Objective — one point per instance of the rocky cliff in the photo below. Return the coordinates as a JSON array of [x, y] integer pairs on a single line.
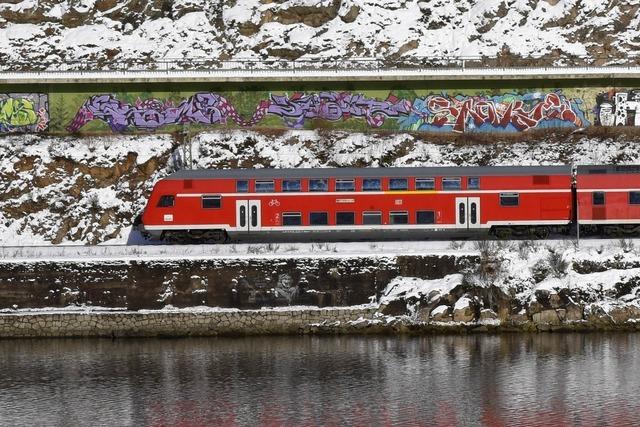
[[49, 33]]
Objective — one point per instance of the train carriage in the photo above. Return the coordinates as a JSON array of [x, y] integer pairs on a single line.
[[215, 205], [608, 199]]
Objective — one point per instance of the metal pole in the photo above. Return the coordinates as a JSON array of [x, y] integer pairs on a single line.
[[577, 220]]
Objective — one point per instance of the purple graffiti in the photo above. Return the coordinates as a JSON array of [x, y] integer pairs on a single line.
[[150, 114], [335, 106]]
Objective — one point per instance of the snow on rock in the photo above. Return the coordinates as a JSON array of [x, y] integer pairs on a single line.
[[301, 29], [76, 190], [412, 288], [463, 310], [598, 283]]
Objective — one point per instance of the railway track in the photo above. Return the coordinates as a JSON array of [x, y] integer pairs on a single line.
[[106, 253]]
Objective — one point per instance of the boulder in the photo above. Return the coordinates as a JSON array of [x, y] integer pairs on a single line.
[[534, 307], [625, 313], [574, 312], [488, 314], [423, 313], [555, 300], [463, 310], [549, 317], [394, 308], [441, 313]]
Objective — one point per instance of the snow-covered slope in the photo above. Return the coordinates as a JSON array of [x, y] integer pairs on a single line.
[[88, 191], [49, 32]]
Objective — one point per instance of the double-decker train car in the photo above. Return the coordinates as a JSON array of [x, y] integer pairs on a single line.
[[215, 205], [608, 199]]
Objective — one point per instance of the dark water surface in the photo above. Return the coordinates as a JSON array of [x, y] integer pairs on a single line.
[[544, 379]]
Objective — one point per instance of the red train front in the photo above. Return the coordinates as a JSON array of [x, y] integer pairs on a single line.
[[214, 205]]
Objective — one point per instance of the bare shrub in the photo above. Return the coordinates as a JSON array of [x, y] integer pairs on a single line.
[[457, 245], [526, 247], [558, 266], [626, 245], [323, 247], [254, 249], [490, 263]]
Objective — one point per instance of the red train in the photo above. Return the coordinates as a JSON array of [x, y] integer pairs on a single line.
[[215, 205]]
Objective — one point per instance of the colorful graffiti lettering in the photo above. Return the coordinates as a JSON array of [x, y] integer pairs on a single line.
[[508, 112], [335, 106], [203, 108], [461, 113], [618, 108], [23, 112], [211, 108]]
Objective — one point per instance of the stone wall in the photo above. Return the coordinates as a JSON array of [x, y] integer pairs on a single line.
[[173, 323], [245, 283]]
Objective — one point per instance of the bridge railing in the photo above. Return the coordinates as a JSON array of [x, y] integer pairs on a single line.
[[321, 64]]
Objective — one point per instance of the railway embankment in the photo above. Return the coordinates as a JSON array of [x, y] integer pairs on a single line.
[[408, 287], [88, 190]]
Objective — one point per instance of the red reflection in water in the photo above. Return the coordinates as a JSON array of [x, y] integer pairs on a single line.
[[190, 413]]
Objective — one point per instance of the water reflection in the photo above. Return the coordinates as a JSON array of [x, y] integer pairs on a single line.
[[545, 379]]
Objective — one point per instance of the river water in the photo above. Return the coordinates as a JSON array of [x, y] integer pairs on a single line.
[[543, 379]]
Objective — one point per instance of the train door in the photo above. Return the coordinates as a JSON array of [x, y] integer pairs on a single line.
[[468, 212], [248, 215]]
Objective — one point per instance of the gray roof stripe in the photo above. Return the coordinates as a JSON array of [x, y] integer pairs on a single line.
[[607, 169], [369, 172]]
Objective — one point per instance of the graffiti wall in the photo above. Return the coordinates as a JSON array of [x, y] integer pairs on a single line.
[[509, 112], [440, 112], [24, 112], [214, 109], [426, 110], [618, 108]]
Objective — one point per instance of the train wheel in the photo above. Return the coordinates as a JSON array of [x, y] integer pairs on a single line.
[[503, 233], [542, 232], [217, 236]]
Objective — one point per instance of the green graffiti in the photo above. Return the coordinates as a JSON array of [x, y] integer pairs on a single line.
[[17, 112], [23, 112]]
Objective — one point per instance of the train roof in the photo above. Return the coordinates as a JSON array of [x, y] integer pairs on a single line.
[[604, 170], [269, 173]]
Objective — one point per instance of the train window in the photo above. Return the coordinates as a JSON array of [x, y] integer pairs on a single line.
[[242, 186], [265, 187], [425, 184], [398, 184], [509, 199], [371, 184], [290, 185], [345, 218], [425, 217], [634, 197], [291, 218], [451, 184], [371, 218], [473, 183], [166, 201], [345, 185], [598, 198], [318, 218], [399, 218], [318, 185], [211, 202]]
